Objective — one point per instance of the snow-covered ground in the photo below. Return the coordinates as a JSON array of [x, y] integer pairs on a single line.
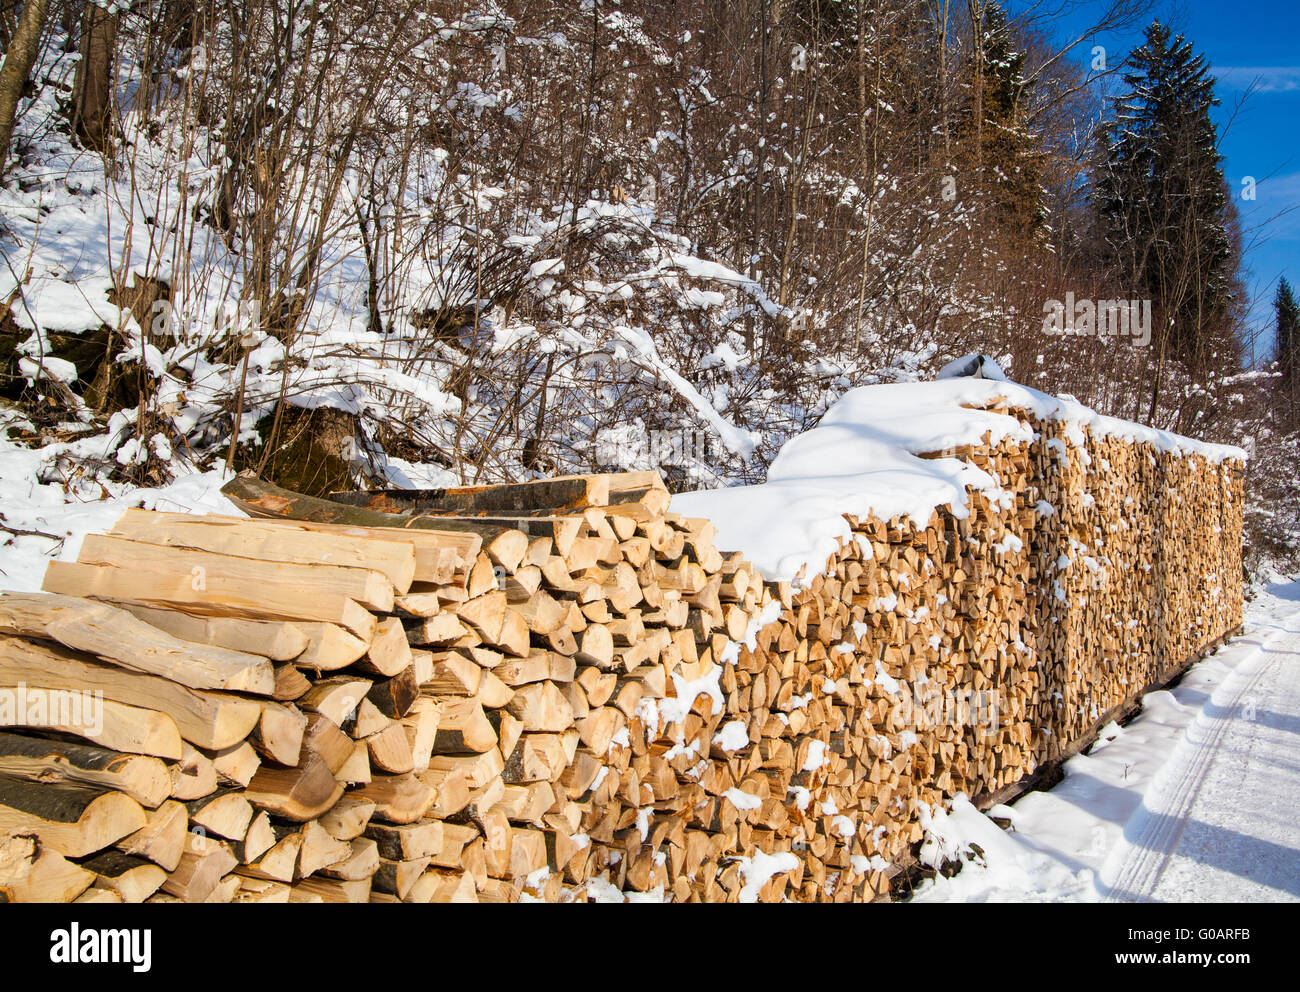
[[42, 521], [1194, 800]]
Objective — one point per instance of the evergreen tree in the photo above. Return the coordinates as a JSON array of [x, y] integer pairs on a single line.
[[996, 143], [1164, 204], [1287, 314]]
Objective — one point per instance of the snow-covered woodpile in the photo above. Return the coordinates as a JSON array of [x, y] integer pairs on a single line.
[[1139, 568], [562, 690]]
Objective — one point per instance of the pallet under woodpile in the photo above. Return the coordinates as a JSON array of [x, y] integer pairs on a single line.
[[560, 690]]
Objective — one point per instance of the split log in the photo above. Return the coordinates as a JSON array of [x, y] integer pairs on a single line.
[[275, 640], [299, 794], [144, 779], [112, 725], [261, 541], [70, 818], [205, 718], [118, 636], [33, 872], [202, 867], [133, 879], [162, 838]]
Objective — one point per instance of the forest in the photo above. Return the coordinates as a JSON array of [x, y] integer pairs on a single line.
[[369, 244]]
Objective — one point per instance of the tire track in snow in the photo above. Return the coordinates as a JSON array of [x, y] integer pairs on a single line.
[[1166, 809]]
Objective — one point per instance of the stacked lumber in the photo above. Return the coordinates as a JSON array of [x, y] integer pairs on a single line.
[[240, 686], [561, 690]]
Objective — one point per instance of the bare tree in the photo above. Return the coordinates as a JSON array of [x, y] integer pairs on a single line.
[[20, 56], [92, 89]]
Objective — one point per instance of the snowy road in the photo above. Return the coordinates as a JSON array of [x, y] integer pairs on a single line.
[[1198, 799], [1220, 821]]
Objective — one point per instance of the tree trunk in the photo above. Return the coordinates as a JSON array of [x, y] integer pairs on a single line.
[[92, 89], [19, 58]]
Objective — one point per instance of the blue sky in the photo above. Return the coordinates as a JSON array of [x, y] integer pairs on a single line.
[[1247, 43]]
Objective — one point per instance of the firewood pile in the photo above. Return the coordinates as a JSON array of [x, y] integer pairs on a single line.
[[561, 690], [1138, 568]]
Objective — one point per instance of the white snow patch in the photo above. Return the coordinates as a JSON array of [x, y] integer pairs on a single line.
[[759, 869], [816, 756], [742, 800], [862, 460], [732, 737]]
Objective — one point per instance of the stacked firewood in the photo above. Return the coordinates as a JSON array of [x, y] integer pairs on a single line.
[[291, 709], [561, 690], [1137, 567]]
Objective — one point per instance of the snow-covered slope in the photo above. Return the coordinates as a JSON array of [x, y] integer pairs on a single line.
[[43, 521]]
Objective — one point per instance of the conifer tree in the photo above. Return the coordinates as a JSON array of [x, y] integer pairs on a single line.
[[1287, 314], [996, 143], [1163, 202]]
